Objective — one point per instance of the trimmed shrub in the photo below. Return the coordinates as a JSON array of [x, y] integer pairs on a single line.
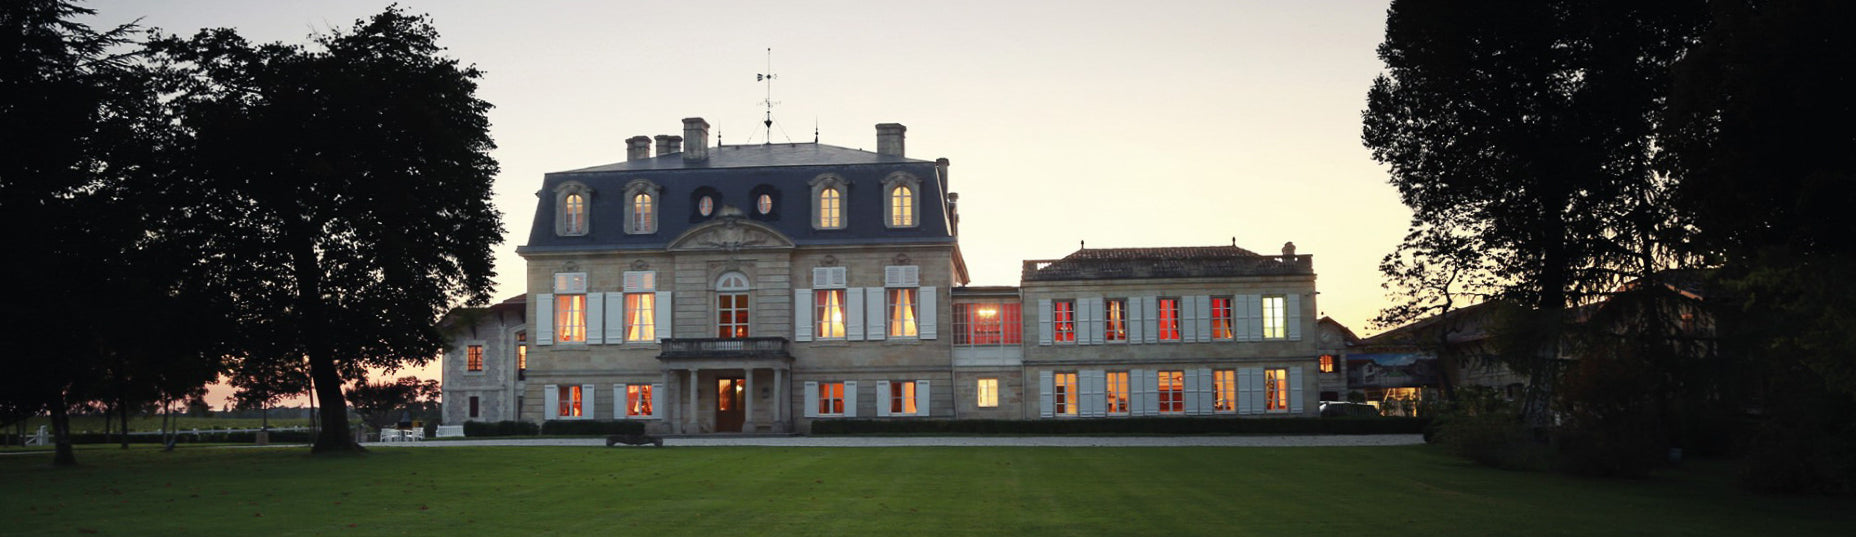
[[591, 427], [1125, 426], [501, 428]]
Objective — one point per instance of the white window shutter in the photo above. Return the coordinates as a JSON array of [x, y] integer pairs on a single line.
[[657, 400], [1089, 326], [544, 319], [1191, 391], [665, 311], [1257, 405], [802, 314], [1202, 319], [1135, 319], [620, 411], [911, 276], [876, 314], [838, 277], [1137, 398], [821, 277], [1240, 328], [595, 318], [1046, 401], [921, 398], [551, 399], [925, 314], [1244, 389], [882, 399], [587, 408], [1256, 317], [614, 324], [850, 398], [1085, 386], [854, 313], [811, 402], [1292, 313], [1149, 308], [1153, 393], [1295, 389], [1045, 332], [1208, 392]]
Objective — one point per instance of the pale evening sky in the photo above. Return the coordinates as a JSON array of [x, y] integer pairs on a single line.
[[1161, 123]]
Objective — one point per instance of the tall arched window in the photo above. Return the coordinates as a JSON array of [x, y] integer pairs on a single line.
[[575, 209], [830, 208], [901, 206], [572, 209], [731, 306], [641, 207]]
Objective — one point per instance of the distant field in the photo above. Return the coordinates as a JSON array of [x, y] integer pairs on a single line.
[[81, 424], [1353, 492]]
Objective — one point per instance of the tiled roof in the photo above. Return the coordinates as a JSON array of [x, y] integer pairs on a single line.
[[755, 156], [1165, 262]]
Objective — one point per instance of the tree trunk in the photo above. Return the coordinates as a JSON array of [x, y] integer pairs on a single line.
[[123, 403], [323, 376], [61, 432]]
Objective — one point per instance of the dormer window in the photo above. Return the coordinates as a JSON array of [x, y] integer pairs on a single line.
[[828, 195], [764, 204], [902, 202], [572, 209], [705, 206], [641, 207]]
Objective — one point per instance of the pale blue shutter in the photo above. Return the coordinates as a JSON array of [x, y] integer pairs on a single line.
[[595, 318], [850, 399], [1188, 319], [802, 315], [1208, 392], [882, 399], [1202, 318], [1256, 317], [544, 319], [928, 321], [876, 314], [854, 314], [1293, 315], [665, 315], [1093, 384], [614, 323], [1191, 391], [1245, 388], [587, 407], [921, 398], [1132, 317], [1044, 322], [811, 402], [657, 400], [1153, 393], [1295, 389], [551, 397], [1045, 400]]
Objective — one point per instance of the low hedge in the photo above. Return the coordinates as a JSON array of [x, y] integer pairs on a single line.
[[1126, 426], [501, 428], [591, 427], [188, 437]]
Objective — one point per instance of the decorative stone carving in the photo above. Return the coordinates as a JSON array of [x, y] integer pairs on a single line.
[[828, 261], [730, 233], [570, 266], [641, 265], [902, 259]]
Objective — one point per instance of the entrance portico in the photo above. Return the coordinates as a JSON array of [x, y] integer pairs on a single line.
[[729, 385]]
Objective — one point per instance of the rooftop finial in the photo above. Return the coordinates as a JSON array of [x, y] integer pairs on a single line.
[[768, 77], [1082, 245]]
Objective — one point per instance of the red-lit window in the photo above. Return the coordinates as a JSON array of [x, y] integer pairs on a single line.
[[638, 400], [1169, 319], [1171, 385], [570, 402], [1063, 319], [473, 358], [1327, 363], [831, 398], [1221, 318], [987, 324]]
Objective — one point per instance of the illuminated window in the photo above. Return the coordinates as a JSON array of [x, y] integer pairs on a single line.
[[731, 306], [985, 324], [473, 358], [638, 401], [522, 351], [473, 406], [1224, 390], [988, 391], [1327, 363], [705, 206], [1221, 318], [828, 313], [831, 398], [830, 209], [1171, 385], [1063, 394], [1063, 317], [1115, 319], [640, 316], [1117, 392], [1273, 317], [573, 213], [1169, 319], [570, 402], [570, 307], [902, 398], [1276, 390], [902, 311], [764, 204], [902, 207], [641, 207]]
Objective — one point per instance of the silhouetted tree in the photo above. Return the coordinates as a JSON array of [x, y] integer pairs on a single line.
[[345, 188], [1760, 140], [378, 404], [1527, 129]]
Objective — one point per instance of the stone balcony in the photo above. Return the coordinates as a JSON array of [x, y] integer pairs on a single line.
[[753, 348]]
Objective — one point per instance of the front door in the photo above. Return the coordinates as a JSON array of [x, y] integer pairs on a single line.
[[728, 412]]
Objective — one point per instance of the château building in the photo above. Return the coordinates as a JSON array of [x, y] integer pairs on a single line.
[[761, 288]]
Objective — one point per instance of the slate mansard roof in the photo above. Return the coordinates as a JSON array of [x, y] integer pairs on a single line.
[[734, 172], [1167, 262]]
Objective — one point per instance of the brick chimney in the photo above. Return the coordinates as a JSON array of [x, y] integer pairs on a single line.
[[637, 148], [696, 132], [667, 144], [889, 138]]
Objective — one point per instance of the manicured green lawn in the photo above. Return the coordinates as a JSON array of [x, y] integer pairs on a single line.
[[1358, 492], [85, 424]]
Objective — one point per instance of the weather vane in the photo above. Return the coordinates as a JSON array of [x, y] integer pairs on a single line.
[[767, 78]]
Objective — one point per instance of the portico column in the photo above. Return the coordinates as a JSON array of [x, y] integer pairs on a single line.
[[747, 404], [779, 399], [690, 426]]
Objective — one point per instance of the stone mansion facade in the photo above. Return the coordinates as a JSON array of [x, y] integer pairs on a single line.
[[761, 288]]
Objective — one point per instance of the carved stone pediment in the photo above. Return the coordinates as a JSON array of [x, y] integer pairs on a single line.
[[730, 234]]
